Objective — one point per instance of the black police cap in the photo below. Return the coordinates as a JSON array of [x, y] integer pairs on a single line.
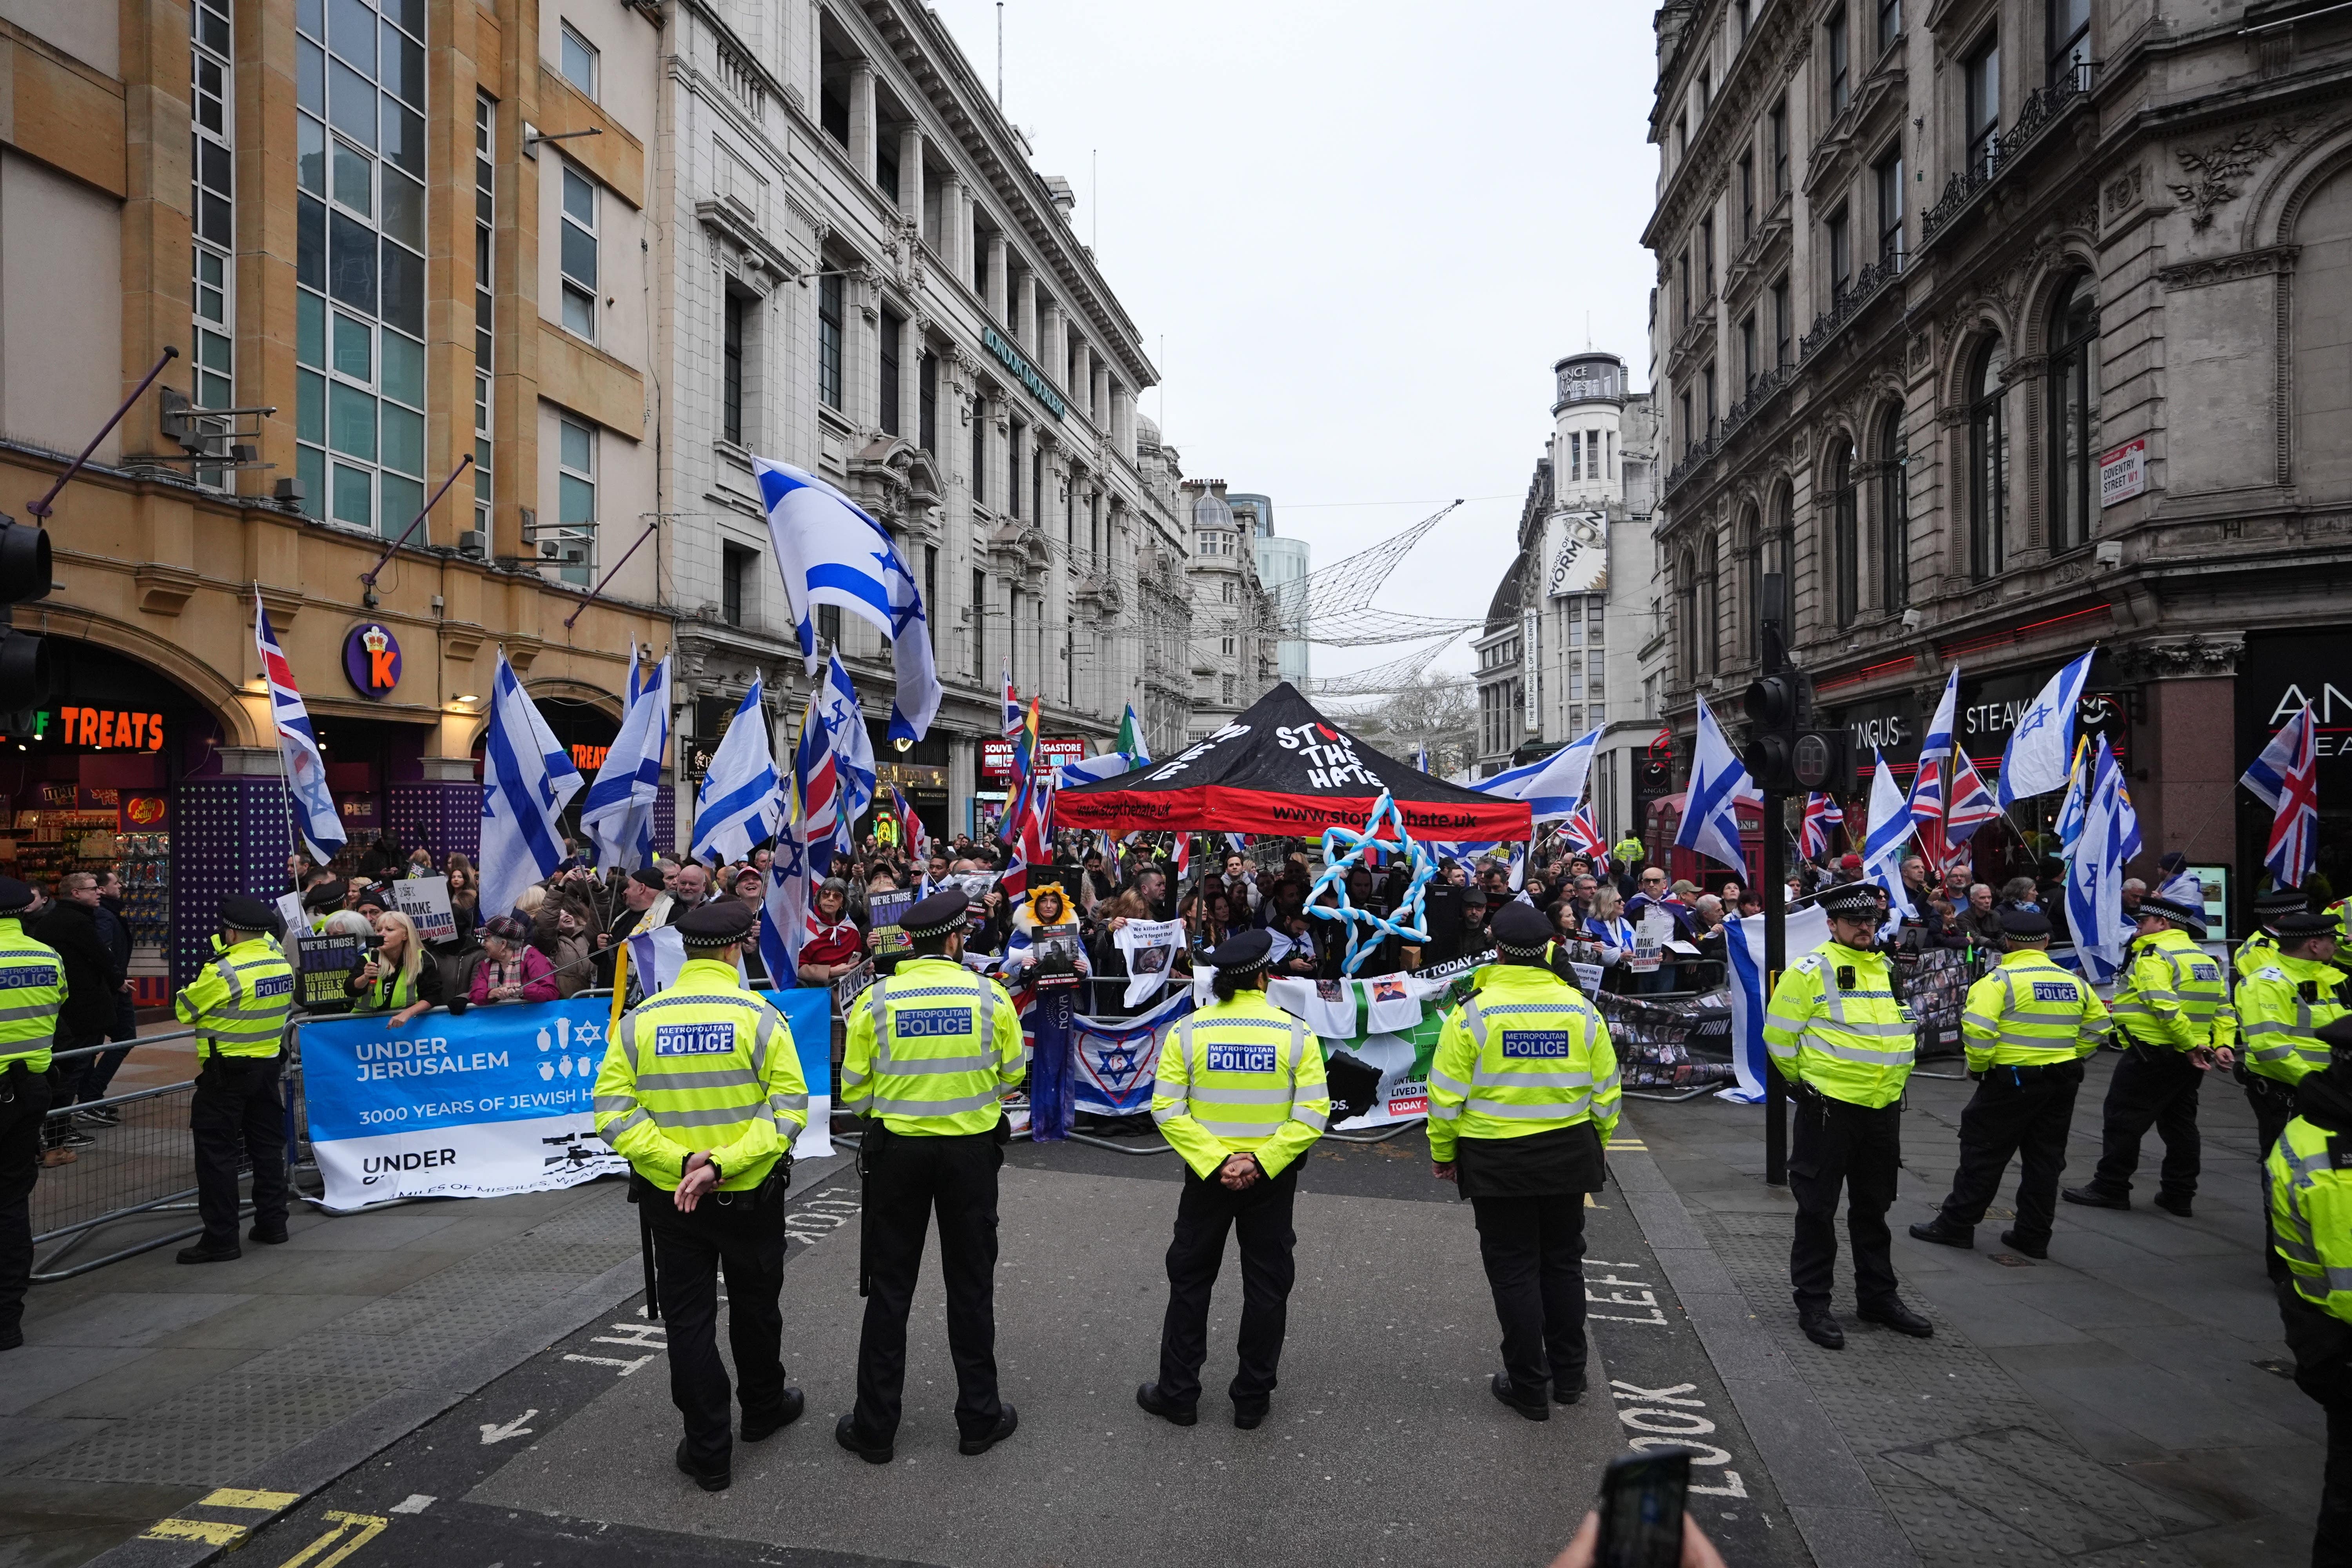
[[2300, 927], [1520, 928], [2178, 913], [2026, 925], [327, 895], [649, 876], [241, 913], [1243, 952], [1852, 900], [16, 897], [937, 915], [2281, 901], [722, 923]]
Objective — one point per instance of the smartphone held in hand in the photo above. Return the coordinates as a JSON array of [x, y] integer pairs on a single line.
[[1641, 1498]]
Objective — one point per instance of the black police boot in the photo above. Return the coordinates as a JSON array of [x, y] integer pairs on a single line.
[[1944, 1233], [1568, 1389], [708, 1481], [2173, 1206], [2092, 1197], [1248, 1416], [845, 1432], [2011, 1239], [1151, 1399], [1892, 1314], [1007, 1422], [1822, 1329], [274, 1236], [789, 1412], [11, 1336], [1501, 1386], [204, 1252]]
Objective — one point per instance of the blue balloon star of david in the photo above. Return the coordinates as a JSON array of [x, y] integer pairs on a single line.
[[1343, 851]]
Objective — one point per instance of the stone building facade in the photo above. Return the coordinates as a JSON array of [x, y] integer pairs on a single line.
[[1569, 633], [862, 276], [385, 235], [1234, 657], [1994, 330]]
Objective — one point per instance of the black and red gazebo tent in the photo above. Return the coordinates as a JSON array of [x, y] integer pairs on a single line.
[[1282, 767]]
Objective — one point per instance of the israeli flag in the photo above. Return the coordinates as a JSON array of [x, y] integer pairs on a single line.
[[618, 814], [2095, 872], [1718, 783], [1938, 745], [853, 752], [737, 807], [1091, 770], [2043, 744], [784, 911], [1808, 929], [528, 778], [1553, 791], [830, 551], [1882, 845]]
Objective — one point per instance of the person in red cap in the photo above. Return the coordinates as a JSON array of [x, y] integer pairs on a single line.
[[1849, 869]]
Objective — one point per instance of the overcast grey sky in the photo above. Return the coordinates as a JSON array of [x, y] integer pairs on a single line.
[[1365, 231]]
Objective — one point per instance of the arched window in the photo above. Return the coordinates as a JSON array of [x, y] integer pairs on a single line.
[[1686, 615], [1988, 462], [1768, 583], [1748, 545], [1709, 630], [1845, 537], [1893, 512], [2074, 415]]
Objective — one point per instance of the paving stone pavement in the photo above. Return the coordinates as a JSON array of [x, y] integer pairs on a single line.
[[2109, 1407], [146, 1383]]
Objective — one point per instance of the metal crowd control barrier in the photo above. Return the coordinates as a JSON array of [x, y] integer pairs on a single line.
[[144, 1164]]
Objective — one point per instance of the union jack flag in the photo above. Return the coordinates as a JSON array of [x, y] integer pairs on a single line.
[[1184, 856], [298, 746], [1583, 835], [1927, 808], [2286, 777], [910, 827], [1821, 814], [1030, 827], [819, 787], [1972, 804], [1010, 715]]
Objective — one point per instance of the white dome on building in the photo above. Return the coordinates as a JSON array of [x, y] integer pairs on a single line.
[[1211, 512]]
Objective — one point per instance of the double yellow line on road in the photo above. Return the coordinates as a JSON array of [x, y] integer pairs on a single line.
[[346, 1533]]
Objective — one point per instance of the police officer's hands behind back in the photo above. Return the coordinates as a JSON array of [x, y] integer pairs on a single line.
[[700, 1177], [1240, 1173]]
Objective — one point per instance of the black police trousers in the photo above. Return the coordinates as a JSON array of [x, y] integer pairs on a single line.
[[1260, 1215], [743, 1233], [235, 1113], [2154, 1086], [25, 1104], [2016, 1111], [2322, 1344], [2273, 1103], [1533, 1248], [908, 1178], [1836, 1145]]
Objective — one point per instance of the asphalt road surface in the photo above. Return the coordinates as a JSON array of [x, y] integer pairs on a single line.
[[1383, 1446]]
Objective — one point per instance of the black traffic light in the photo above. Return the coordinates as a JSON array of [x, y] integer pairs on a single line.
[[1784, 755], [24, 657]]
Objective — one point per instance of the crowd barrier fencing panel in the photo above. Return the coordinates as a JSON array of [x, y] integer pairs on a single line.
[[144, 1166]]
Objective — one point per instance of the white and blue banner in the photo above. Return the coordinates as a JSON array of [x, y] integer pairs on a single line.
[[1117, 1059], [494, 1102]]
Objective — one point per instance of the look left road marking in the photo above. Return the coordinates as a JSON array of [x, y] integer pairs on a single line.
[[351, 1530]]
